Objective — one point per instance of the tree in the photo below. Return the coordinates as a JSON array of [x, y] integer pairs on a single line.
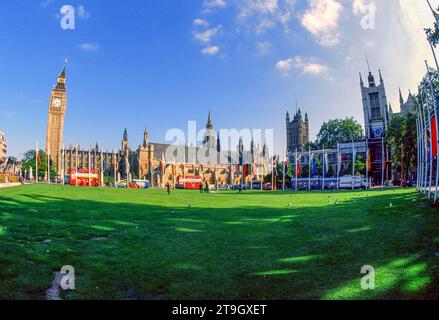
[[30, 162], [433, 33], [360, 165], [310, 146], [401, 136], [11, 161], [338, 131]]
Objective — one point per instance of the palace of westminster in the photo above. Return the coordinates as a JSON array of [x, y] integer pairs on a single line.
[[148, 159]]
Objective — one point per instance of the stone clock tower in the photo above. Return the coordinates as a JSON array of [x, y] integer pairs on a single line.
[[376, 119], [55, 123]]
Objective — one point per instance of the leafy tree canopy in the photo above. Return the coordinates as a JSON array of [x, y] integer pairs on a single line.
[[338, 131]]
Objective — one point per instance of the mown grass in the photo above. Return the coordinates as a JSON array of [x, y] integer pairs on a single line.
[[137, 244]]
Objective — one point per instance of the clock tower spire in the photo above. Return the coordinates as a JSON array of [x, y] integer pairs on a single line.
[[55, 122]]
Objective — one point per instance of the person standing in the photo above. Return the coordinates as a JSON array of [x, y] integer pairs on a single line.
[[168, 188], [207, 187]]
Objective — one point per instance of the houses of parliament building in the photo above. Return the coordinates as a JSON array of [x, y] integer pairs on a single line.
[[148, 159]]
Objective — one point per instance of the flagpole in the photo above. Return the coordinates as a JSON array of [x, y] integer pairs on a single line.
[[422, 139], [417, 149], [309, 168], [127, 170], [89, 167], [36, 163], [251, 174], [433, 96], [324, 165], [420, 148], [367, 161], [338, 165], [284, 175], [430, 153], [272, 173], [101, 184], [63, 165], [76, 166], [382, 163], [421, 143], [353, 164], [114, 167], [424, 144], [296, 169], [48, 166]]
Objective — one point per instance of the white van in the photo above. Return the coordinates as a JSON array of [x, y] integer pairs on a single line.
[[358, 182]]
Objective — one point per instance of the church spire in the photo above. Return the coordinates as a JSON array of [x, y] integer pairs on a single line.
[[209, 124], [368, 65], [61, 83], [370, 78], [63, 72], [125, 135], [390, 109], [401, 99], [145, 138]]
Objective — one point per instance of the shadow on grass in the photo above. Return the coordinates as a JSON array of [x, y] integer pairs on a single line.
[[141, 250]]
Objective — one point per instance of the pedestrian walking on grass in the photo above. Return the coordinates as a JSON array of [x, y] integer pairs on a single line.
[[168, 187], [201, 187]]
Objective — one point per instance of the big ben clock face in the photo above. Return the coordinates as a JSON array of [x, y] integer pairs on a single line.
[[57, 103]]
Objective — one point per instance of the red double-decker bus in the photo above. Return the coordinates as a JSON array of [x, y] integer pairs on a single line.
[[84, 178], [189, 182]]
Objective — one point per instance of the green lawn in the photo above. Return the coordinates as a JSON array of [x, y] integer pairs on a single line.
[[137, 244]]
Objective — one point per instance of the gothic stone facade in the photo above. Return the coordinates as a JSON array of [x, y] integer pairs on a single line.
[[152, 161], [297, 132], [406, 107], [376, 118], [147, 161]]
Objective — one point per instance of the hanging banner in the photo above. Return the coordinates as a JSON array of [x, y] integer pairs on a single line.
[[433, 136]]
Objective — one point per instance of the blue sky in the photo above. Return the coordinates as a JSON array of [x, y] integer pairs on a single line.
[[161, 63]]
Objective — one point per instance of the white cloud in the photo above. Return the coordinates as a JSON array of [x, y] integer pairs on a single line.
[[82, 13], [309, 66], [207, 35], [262, 15], [213, 50], [253, 16], [285, 66], [200, 22], [321, 20], [250, 7], [212, 4], [89, 47]]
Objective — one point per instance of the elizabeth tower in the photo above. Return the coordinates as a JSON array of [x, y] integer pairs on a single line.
[[55, 122]]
